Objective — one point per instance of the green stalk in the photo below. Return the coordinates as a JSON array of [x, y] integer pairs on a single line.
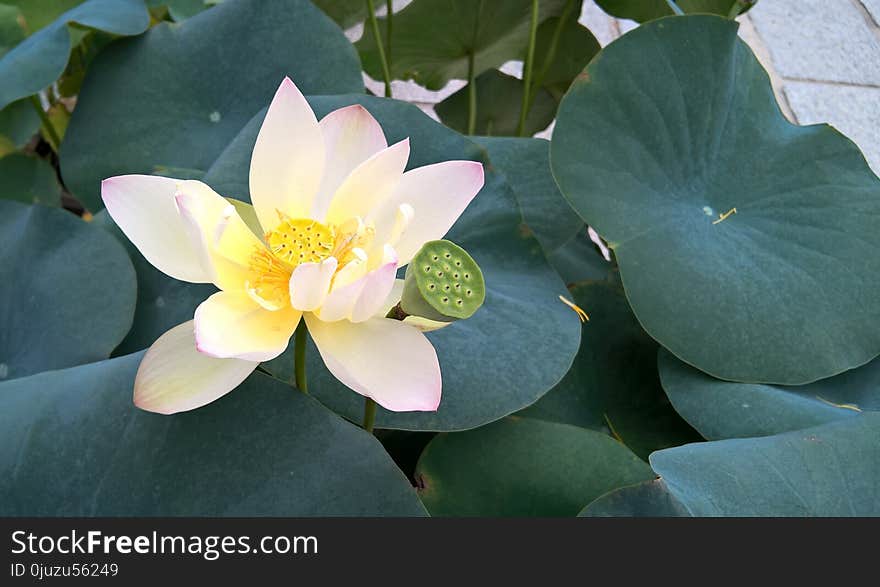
[[44, 119], [299, 357], [550, 57], [388, 8], [472, 96], [527, 70], [369, 414], [674, 8], [374, 24]]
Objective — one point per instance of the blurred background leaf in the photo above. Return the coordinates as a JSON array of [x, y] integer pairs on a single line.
[[41, 58], [499, 100]]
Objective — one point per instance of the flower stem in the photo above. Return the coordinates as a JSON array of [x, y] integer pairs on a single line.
[[527, 70], [299, 357], [552, 49], [472, 96], [44, 119], [389, 8], [674, 8], [369, 414], [374, 24]]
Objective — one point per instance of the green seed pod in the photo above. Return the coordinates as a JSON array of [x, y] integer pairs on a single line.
[[443, 283]]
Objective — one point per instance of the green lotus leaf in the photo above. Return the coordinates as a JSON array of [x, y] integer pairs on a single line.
[[345, 13], [11, 29], [578, 260], [18, 123], [526, 165], [747, 245], [431, 39], [722, 409], [644, 10], [28, 180], [73, 444], [38, 14], [555, 68], [69, 290], [40, 59], [522, 467], [828, 470], [648, 499], [613, 385], [166, 99], [499, 101], [491, 363], [180, 10]]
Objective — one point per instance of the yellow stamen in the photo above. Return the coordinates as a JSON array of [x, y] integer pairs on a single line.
[[296, 241], [723, 217], [852, 407], [301, 240], [577, 310]]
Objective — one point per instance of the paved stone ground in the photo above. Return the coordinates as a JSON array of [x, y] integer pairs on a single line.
[[823, 57]]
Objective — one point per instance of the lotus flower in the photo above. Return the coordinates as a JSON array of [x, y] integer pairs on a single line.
[[338, 216]]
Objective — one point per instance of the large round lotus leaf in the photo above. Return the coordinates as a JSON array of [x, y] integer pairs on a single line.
[[829, 470], [648, 499], [37, 61], [168, 99], [643, 10], [522, 467], [431, 39], [784, 290], [73, 444], [525, 164], [721, 409], [613, 384], [68, 291], [515, 348], [162, 302], [29, 180], [499, 101]]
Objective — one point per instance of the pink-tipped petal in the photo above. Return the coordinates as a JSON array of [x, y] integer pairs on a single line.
[[351, 136], [369, 184], [438, 195], [233, 325], [310, 284], [174, 377], [144, 209], [288, 158], [383, 359]]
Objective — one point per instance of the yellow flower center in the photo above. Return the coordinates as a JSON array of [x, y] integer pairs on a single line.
[[296, 241]]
